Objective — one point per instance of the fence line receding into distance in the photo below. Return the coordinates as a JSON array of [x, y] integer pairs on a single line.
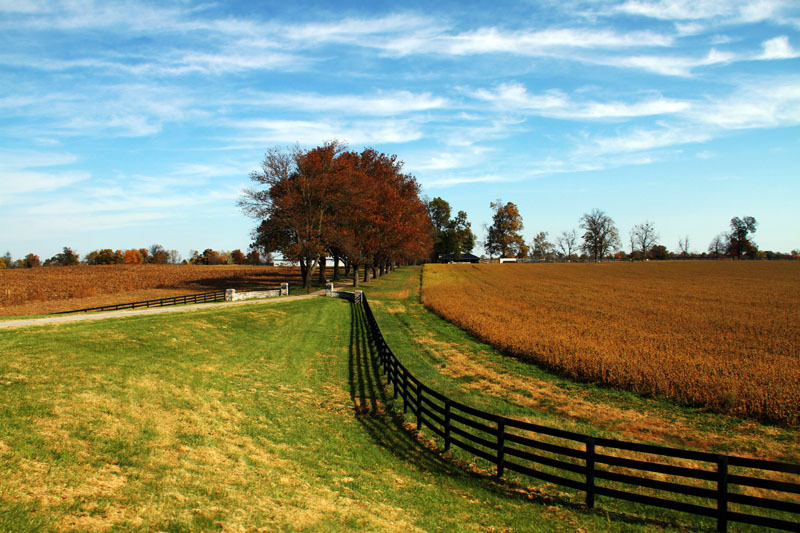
[[706, 484], [213, 296]]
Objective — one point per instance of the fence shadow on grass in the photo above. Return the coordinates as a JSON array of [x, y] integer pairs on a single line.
[[374, 408], [382, 418]]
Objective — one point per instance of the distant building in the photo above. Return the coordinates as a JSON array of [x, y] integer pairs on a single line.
[[465, 258], [508, 259]]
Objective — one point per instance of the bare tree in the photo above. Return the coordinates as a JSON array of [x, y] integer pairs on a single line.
[[683, 245], [717, 246], [601, 234], [542, 248], [644, 236], [568, 242]]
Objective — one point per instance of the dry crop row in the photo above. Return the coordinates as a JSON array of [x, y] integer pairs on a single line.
[[20, 286], [717, 334]]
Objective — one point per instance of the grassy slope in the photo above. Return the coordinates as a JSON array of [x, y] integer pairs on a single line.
[[253, 416], [449, 360]]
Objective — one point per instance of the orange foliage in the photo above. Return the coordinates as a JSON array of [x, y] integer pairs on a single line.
[[717, 334], [133, 257]]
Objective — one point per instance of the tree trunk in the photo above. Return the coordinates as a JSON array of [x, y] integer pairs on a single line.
[[322, 264], [355, 274], [303, 270], [335, 268], [309, 273], [374, 272], [347, 265], [366, 272]]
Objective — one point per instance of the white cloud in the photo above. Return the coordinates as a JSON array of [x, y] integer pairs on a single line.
[[20, 181], [641, 139], [21, 159], [22, 171], [778, 48], [765, 104], [735, 10], [196, 171], [124, 110], [556, 104], [492, 40], [380, 103], [668, 65], [259, 132], [461, 180]]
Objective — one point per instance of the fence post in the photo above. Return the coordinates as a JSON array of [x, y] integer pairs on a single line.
[[722, 493], [405, 390], [501, 447], [590, 472], [284, 289], [394, 377], [328, 289], [419, 406], [447, 424]]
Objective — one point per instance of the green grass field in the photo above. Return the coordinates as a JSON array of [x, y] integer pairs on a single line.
[[225, 419], [264, 418]]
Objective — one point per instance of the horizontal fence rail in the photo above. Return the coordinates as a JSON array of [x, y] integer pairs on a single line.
[[701, 483], [213, 296]]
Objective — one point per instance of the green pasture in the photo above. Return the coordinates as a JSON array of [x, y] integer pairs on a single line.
[[267, 418]]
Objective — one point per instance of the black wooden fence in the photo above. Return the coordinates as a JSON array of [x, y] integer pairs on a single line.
[[213, 296], [702, 483]]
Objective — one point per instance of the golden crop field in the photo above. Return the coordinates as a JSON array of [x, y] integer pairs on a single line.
[[720, 334], [51, 289]]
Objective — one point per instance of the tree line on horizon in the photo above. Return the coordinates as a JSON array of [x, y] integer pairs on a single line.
[[598, 239], [154, 255]]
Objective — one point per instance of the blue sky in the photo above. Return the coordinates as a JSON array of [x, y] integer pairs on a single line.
[[125, 124]]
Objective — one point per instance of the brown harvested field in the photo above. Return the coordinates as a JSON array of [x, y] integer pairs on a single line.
[[32, 291], [717, 334]]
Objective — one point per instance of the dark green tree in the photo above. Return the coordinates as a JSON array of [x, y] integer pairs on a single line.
[[739, 242], [452, 236]]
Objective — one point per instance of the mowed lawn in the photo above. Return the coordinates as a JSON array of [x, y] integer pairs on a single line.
[[251, 418]]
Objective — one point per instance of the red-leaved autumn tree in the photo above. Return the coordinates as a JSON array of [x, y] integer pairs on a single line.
[[359, 207]]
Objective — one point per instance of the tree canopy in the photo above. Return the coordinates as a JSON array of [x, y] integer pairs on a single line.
[[739, 242], [452, 236], [600, 235], [504, 239], [356, 206]]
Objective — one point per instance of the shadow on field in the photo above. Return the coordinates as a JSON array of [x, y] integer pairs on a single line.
[[376, 411], [374, 408]]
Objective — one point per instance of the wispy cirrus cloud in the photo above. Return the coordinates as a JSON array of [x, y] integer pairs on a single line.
[[767, 103], [556, 103], [387, 103], [261, 132], [491, 40], [732, 10], [28, 171]]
